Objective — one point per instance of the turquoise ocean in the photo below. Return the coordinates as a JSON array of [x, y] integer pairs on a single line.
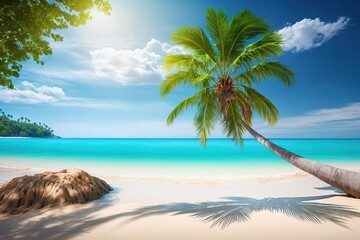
[[172, 157]]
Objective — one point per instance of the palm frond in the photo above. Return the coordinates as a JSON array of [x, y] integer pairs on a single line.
[[172, 80], [217, 26], [264, 70], [203, 77], [195, 40], [191, 101], [206, 115], [262, 105], [244, 26], [268, 45], [232, 125], [182, 62], [245, 106]]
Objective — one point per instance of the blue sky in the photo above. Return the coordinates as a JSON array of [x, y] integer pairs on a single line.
[[103, 79]]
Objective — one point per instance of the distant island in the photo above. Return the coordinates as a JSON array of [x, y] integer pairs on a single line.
[[23, 127]]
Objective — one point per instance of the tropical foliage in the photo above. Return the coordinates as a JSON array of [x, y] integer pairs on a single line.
[[22, 127], [224, 65], [28, 26]]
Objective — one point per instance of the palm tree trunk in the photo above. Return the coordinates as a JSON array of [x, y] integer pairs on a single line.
[[347, 181]]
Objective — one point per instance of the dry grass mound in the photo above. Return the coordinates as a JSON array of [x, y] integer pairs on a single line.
[[50, 189]]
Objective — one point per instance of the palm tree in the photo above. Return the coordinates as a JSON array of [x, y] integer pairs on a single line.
[[223, 70]]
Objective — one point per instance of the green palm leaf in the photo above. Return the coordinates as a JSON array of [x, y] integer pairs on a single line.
[[172, 80], [217, 26], [194, 39], [263, 106], [191, 101], [268, 45], [243, 27], [245, 106], [183, 61], [267, 69], [232, 125], [206, 115]]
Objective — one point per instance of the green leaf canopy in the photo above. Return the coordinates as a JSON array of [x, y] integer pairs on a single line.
[[224, 64], [28, 26]]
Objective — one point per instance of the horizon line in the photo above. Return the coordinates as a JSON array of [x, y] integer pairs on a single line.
[[188, 138]]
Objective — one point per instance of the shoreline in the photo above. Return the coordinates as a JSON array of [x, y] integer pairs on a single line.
[[16, 171], [7, 172], [213, 181], [16, 137], [54, 137]]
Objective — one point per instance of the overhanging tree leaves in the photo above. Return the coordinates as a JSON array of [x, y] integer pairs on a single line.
[[28, 26]]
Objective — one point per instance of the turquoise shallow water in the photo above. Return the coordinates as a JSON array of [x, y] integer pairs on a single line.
[[176, 154]]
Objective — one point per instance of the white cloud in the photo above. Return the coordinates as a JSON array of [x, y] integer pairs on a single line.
[[310, 33], [29, 94], [112, 105], [331, 121], [324, 116], [132, 67], [139, 66]]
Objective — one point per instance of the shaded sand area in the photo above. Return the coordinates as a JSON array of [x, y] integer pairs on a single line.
[[286, 208]]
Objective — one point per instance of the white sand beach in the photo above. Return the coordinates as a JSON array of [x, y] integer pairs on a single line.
[[179, 120], [278, 208]]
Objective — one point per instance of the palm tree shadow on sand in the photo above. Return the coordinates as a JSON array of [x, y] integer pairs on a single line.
[[221, 213], [231, 210]]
